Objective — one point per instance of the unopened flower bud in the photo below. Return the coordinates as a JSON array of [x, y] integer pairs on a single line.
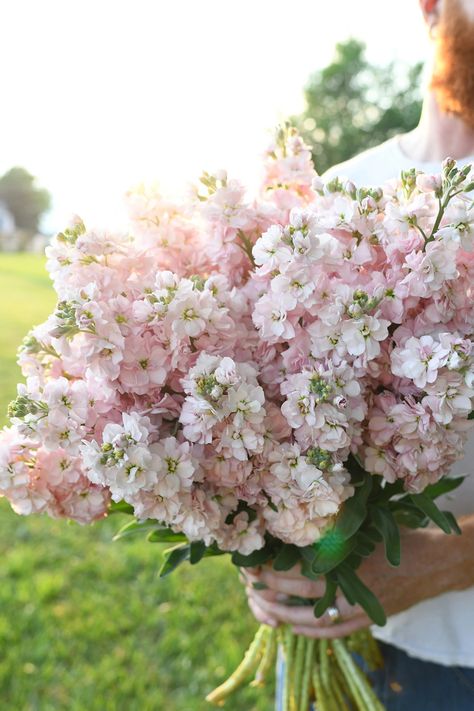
[[334, 186], [318, 184], [350, 188], [376, 193], [369, 204], [428, 183], [448, 164], [221, 175]]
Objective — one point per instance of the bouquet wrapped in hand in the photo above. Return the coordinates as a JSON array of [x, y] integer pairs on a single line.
[[287, 379]]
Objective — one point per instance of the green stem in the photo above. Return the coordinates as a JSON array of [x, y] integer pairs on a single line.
[[326, 680], [354, 694], [289, 649], [268, 659], [340, 681], [324, 661], [442, 209], [244, 670], [321, 697], [306, 679], [247, 246], [422, 232], [338, 695], [439, 217], [367, 647], [298, 671], [281, 639], [360, 687]]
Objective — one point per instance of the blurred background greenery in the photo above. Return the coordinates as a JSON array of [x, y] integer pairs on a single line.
[[85, 624], [353, 104]]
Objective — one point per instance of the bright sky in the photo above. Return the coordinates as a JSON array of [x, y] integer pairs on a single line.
[[98, 95]]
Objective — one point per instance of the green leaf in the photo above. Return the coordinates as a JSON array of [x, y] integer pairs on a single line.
[[287, 557], [443, 486], [166, 535], [385, 523], [454, 524], [360, 593], [256, 558], [471, 415], [133, 527], [372, 533], [198, 549], [213, 550], [429, 508], [307, 553], [307, 570], [327, 599], [364, 544], [120, 507], [346, 589], [407, 514], [353, 561], [331, 549], [356, 470], [259, 586], [354, 510], [174, 557], [390, 490]]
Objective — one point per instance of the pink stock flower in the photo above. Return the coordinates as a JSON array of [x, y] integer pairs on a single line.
[[271, 317], [363, 335], [175, 467], [144, 364], [419, 359], [216, 369]]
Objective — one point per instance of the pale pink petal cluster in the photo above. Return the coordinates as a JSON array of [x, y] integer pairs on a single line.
[[216, 365]]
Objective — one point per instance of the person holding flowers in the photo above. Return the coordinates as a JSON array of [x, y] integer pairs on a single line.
[[428, 641]]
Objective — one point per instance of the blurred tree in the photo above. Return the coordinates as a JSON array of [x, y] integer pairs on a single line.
[[352, 105], [23, 198]]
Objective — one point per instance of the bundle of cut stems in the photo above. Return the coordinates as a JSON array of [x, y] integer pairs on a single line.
[[319, 672]]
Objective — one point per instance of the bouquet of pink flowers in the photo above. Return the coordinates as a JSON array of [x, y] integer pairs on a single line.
[[288, 379]]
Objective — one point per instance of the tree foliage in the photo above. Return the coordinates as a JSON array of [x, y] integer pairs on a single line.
[[24, 199], [352, 105]]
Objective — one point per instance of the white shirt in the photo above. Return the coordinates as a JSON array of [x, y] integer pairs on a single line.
[[440, 629]]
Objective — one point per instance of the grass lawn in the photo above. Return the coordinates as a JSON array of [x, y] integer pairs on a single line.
[[85, 624]]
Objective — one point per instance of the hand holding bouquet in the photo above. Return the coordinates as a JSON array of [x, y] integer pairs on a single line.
[[288, 380]]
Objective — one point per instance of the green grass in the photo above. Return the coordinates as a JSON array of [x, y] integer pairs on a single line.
[[26, 298], [85, 623]]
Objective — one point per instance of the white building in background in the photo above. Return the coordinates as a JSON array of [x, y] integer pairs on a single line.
[[7, 221], [39, 243], [14, 240], [9, 238]]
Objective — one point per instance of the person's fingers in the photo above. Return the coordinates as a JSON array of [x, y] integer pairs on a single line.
[[289, 582], [267, 594], [302, 615], [332, 631], [260, 615], [291, 585], [294, 572], [252, 572], [248, 577]]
